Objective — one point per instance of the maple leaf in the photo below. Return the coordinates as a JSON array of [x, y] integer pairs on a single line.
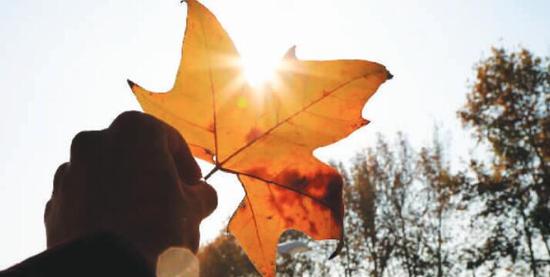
[[266, 135]]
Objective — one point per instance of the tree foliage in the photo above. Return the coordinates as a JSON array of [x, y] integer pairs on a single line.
[[224, 257], [509, 109]]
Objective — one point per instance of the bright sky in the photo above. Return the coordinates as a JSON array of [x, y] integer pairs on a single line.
[[64, 65]]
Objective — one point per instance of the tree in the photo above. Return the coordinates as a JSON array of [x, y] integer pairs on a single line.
[[443, 189], [383, 178], [311, 263], [508, 107], [224, 257]]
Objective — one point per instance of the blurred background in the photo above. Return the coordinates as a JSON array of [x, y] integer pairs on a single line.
[[449, 178]]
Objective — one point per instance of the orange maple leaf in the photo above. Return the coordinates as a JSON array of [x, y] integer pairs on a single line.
[[266, 135]]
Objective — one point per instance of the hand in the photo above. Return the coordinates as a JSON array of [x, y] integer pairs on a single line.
[[136, 179]]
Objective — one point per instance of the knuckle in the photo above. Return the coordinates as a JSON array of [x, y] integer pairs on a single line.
[[58, 177], [128, 118], [85, 145], [134, 126]]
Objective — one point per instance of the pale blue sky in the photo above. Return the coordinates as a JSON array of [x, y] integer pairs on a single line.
[[64, 64]]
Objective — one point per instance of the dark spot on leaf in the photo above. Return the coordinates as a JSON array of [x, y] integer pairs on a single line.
[[293, 179], [333, 196], [253, 134], [313, 228], [287, 199], [289, 221], [325, 186]]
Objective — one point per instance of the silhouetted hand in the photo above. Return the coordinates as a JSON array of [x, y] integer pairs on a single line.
[[136, 179]]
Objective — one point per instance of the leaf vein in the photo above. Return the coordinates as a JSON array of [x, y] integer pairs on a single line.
[[286, 120], [212, 89]]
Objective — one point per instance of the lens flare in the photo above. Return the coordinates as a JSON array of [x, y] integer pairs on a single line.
[[259, 71]]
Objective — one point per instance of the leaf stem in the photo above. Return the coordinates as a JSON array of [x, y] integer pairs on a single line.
[[216, 168]]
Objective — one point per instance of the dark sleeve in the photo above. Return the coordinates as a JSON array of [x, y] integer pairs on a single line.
[[97, 255]]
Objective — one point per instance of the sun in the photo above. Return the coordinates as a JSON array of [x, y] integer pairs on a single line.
[[259, 71]]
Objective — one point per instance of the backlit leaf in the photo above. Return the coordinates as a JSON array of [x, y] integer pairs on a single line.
[[266, 135]]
